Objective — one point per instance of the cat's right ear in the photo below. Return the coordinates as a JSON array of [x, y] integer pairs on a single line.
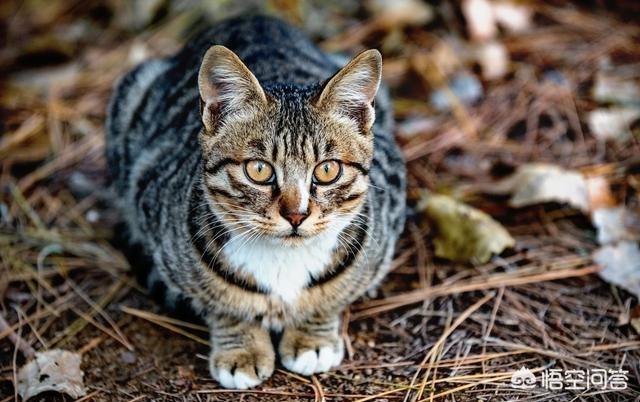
[[227, 87], [351, 90]]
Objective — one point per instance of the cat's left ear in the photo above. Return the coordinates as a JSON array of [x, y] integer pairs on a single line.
[[227, 87], [351, 90]]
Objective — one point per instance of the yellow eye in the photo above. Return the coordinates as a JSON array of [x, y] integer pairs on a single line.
[[327, 172], [258, 171]]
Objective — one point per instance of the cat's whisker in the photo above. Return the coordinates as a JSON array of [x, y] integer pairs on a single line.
[[351, 239], [212, 242], [348, 247], [235, 206], [256, 235], [209, 225], [232, 209], [343, 244], [239, 236], [378, 187], [223, 233], [254, 219], [203, 230], [240, 215], [360, 222], [215, 257], [358, 246]]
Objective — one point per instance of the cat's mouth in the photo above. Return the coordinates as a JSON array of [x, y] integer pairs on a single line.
[[291, 236], [294, 237]]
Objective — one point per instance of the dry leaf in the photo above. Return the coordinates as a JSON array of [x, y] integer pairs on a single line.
[[612, 123], [54, 370], [614, 224], [483, 17], [539, 183], [464, 233], [621, 265], [616, 89], [599, 193], [448, 56], [402, 12], [481, 22], [493, 58], [513, 17]]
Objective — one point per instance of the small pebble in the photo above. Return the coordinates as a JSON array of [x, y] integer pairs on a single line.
[[93, 216], [555, 77]]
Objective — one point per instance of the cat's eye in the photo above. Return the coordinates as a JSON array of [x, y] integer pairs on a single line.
[[259, 172], [327, 172]]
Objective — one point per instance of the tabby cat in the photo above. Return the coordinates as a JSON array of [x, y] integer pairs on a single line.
[[264, 185]]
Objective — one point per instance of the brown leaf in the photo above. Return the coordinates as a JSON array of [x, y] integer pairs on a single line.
[[599, 193], [464, 234]]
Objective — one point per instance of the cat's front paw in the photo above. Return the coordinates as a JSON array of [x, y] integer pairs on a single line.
[[308, 354], [241, 368]]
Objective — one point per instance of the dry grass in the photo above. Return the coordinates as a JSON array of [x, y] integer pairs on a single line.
[[436, 331]]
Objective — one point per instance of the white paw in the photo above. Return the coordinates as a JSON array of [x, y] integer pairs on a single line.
[[237, 380], [241, 368], [311, 361]]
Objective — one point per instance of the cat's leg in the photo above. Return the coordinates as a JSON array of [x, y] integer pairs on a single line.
[[242, 354], [312, 347]]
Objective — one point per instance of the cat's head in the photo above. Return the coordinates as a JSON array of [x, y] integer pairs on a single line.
[[286, 162]]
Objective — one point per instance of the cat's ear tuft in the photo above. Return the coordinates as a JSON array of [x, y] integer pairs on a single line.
[[351, 90], [226, 87]]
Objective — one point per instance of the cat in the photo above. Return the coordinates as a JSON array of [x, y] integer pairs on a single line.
[[265, 186]]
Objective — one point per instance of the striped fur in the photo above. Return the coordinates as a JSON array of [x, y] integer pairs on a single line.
[[176, 150]]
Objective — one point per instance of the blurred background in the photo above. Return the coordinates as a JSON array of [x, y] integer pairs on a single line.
[[520, 124]]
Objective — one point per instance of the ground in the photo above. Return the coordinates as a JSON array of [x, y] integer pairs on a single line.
[[436, 330]]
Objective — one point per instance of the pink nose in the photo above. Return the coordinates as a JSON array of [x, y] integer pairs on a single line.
[[294, 218]]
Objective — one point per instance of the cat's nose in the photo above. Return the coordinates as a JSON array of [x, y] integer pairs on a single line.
[[295, 218]]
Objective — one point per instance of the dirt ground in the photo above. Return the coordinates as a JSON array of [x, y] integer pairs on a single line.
[[436, 330]]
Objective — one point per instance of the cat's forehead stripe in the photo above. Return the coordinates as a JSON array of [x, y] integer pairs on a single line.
[[258, 144]]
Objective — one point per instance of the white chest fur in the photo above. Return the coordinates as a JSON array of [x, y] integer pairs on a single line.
[[281, 270]]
